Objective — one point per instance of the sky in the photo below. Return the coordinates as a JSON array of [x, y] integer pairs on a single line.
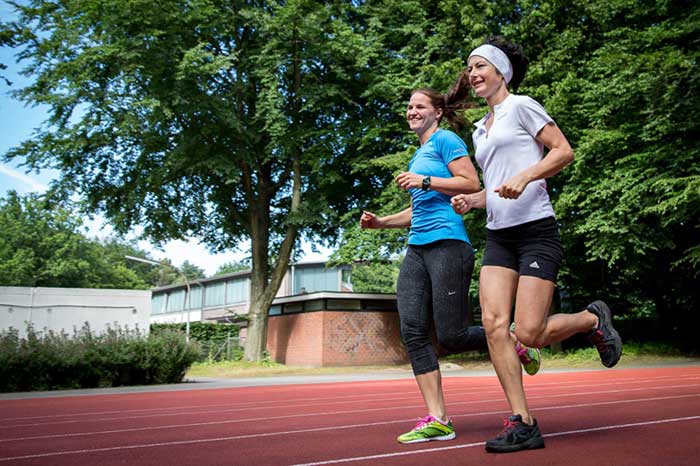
[[17, 123]]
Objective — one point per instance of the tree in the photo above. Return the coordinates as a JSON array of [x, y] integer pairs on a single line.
[[43, 246], [231, 267], [219, 120], [7, 39], [375, 277], [114, 251], [631, 205], [191, 271]]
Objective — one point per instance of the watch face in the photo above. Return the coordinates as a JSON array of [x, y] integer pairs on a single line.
[[426, 182]]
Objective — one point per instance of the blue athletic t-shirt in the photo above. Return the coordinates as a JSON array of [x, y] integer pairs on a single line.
[[432, 216]]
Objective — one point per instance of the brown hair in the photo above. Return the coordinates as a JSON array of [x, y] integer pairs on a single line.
[[449, 103], [459, 95]]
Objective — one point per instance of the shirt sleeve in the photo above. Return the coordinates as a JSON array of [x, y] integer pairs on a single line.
[[451, 147], [532, 115]]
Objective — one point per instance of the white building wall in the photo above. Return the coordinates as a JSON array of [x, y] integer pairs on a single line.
[[68, 309]]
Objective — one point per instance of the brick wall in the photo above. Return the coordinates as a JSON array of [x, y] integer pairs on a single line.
[[336, 338], [296, 339]]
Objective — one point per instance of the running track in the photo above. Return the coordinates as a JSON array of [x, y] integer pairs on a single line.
[[608, 417]]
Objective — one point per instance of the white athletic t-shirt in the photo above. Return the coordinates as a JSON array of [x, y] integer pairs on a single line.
[[508, 148]]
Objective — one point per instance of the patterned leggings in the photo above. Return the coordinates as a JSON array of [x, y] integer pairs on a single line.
[[433, 288]]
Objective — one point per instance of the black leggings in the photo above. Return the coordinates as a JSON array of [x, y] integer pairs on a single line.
[[433, 287]]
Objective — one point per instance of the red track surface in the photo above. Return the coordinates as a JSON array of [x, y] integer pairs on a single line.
[[613, 417]]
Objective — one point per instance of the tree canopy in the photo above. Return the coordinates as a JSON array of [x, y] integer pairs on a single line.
[[43, 244], [231, 267]]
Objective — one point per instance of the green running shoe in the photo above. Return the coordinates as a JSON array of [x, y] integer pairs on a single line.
[[530, 358], [428, 428]]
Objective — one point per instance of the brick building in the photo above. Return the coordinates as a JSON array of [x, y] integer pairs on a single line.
[[315, 320], [335, 329]]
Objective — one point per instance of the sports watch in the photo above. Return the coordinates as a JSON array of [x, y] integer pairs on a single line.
[[426, 183]]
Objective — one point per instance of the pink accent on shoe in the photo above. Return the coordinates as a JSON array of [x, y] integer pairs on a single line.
[[522, 353], [427, 420]]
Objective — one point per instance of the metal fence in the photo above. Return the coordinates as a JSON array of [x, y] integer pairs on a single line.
[[228, 349]]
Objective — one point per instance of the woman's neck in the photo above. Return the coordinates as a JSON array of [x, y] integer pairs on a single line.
[[423, 138], [498, 97]]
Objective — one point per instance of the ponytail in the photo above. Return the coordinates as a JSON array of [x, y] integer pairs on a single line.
[[456, 100]]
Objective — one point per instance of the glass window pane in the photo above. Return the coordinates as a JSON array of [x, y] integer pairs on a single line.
[[157, 304], [311, 279], [176, 300], [214, 294], [237, 290], [195, 299]]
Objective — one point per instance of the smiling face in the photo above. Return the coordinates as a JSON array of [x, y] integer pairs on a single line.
[[422, 116], [483, 77]]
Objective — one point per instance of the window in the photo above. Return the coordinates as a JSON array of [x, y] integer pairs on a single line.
[[195, 299], [345, 280], [158, 304], [237, 290], [214, 294], [318, 278]]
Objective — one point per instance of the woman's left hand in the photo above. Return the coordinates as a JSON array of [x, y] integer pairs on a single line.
[[408, 180], [513, 188]]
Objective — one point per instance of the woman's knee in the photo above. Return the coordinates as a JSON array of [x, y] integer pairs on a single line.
[[495, 323], [414, 336], [530, 335]]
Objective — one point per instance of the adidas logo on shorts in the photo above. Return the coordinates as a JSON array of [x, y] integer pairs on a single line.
[[535, 265]]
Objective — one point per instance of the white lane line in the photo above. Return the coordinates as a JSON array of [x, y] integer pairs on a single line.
[[350, 426], [341, 460], [286, 402], [289, 402], [528, 388], [477, 444]]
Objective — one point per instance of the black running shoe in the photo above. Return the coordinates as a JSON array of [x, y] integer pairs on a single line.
[[516, 436], [605, 337]]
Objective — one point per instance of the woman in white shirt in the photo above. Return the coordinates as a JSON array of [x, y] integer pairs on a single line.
[[523, 249]]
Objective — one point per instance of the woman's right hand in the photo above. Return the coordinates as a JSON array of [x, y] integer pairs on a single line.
[[369, 220], [462, 203]]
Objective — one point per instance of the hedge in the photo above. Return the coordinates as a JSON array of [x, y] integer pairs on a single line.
[[49, 360]]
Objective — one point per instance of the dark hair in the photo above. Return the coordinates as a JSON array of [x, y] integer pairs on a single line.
[[449, 103], [515, 55], [458, 97]]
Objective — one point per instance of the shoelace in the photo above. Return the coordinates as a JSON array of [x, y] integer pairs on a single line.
[[508, 425], [598, 340], [423, 422]]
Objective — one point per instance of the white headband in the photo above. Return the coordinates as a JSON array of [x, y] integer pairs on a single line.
[[497, 58]]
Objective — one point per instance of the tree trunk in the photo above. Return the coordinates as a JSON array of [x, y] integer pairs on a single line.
[[256, 341], [263, 291]]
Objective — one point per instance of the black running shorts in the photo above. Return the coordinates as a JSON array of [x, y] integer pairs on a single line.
[[533, 248]]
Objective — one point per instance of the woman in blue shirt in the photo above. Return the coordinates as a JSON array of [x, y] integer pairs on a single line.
[[433, 284]]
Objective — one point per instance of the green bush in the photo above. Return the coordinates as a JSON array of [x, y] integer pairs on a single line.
[[50, 360]]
